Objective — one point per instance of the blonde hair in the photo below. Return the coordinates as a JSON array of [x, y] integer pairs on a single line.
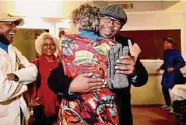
[[86, 17], [40, 40]]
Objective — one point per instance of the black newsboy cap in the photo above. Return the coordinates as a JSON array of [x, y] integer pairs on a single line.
[[170, 40], [114, 11]]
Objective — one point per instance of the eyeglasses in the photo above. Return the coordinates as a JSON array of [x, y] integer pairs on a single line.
[[108, 20], [50, 44]]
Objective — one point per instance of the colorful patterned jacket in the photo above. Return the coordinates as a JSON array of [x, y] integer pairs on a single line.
[[84, 55]]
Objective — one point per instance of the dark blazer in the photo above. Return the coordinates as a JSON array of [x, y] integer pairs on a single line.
[[123, 96], [59, 83]]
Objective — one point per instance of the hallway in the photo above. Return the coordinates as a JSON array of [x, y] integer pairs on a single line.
[[152, 115]]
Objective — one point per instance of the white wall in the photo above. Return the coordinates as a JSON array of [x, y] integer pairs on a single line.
[[154, 20], [40, 8], [40, 23]]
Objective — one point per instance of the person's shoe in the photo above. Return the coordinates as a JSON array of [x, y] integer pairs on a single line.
[[171, 111], [166, 107]]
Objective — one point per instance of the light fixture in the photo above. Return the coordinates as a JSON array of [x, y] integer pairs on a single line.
[[126, 5]]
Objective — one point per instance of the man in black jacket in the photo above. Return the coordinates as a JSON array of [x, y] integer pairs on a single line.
[[111, 21]]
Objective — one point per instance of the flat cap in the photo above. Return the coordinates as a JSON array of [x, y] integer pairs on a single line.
[[114, 11]]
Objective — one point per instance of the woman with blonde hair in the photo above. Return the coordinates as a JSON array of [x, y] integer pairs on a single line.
[[45, 112]]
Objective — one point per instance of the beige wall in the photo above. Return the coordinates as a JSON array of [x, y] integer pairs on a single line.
[[25, 46], [151, 93], [178, 6]]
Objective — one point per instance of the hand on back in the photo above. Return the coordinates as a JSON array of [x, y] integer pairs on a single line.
[[83, 84]]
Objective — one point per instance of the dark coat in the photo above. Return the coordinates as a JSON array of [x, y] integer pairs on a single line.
[[123, 96], [172, 58], [59, 83]]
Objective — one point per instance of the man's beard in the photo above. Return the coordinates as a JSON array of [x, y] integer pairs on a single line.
[[4, 40]]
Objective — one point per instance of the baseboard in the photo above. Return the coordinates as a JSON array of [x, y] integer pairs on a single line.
[[150, 105]]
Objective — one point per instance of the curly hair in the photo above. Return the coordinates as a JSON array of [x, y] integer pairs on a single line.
[[62, 32], [40, 40], [87, 17]]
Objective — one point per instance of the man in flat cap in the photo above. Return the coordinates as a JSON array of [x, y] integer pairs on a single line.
[[15, 73], [172, 75], [112, 19]]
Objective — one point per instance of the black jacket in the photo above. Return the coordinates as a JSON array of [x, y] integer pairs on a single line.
[[59, 83], [123, 96], [140, 70]]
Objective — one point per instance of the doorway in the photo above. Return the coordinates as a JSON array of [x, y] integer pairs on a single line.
[[25, 41]]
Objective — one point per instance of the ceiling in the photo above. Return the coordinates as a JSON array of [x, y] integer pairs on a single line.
[[140, 5], [63, 8]]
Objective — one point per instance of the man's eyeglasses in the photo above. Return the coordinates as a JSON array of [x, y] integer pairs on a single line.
[[108, 20]]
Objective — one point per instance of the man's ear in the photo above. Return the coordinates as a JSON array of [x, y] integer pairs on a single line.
[[120, 27]]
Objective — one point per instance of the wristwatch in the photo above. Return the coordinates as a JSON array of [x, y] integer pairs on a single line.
[[16, 78]]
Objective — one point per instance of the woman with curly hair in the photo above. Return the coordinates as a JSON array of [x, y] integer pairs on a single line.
[[86, 52], [45, 102]]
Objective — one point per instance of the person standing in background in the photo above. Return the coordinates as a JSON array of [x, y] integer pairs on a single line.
[[172, 75], [62, 35], [46, 111], [15, 73]]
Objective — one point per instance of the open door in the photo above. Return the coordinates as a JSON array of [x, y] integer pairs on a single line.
[[25, 41]]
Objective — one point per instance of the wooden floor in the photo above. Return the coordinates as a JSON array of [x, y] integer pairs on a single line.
[[152, 115]]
